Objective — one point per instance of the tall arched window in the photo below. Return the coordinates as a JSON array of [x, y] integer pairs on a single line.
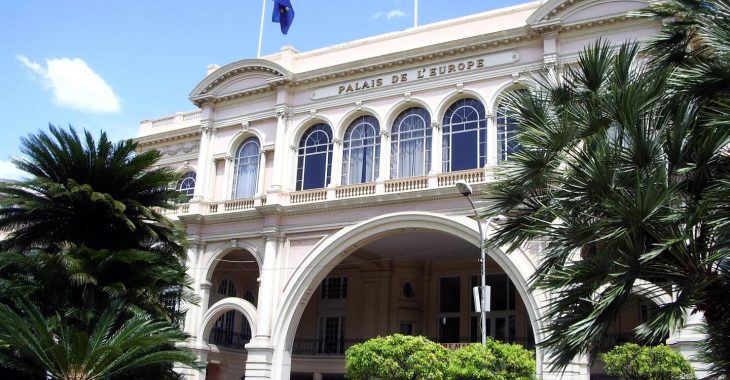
[[361, 151], [223, 332], [411, 144], [186, 184], [314, 164], [464, 136], [246, 168], [506, 130]]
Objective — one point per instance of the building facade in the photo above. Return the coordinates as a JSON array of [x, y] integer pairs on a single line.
[[322, 209]]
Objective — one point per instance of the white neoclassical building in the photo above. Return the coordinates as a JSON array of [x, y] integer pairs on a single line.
[[322, 207]]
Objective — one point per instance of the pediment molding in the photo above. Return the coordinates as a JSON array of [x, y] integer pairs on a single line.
[[269, 75], [555, 14]]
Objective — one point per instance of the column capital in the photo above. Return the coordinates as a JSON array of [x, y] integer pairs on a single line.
[[435, 125], [283, 112], [337, 141], [385, 133]]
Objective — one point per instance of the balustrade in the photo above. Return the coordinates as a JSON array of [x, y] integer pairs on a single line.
[[343, 192]]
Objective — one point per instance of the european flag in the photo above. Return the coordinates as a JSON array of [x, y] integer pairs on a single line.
[[283, 14]]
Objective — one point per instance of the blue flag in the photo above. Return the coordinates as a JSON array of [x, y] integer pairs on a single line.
[[283, 14]]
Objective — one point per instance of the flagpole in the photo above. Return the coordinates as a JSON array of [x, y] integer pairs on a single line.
[[261, 29], [415, 13]]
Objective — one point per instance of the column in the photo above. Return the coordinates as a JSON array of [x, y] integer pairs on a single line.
[[203, 154], [686, 341], [491, 139], [228, 173], [260, 350], [209, 176], [336, 173], [436, 153], [262, 172], [384, 170], [278, 178]]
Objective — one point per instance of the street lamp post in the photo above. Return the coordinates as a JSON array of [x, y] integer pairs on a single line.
[[484, 293]]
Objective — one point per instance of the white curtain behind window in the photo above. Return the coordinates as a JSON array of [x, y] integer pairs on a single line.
[[246, 169]]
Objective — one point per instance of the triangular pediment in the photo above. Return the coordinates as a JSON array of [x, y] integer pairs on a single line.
[[569, 12], [240, 77]]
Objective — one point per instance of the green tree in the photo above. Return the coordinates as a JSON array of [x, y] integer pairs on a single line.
[[634, 362], [91, 206], [41, 346], [619, 175], [493, 361], [396, 357], [84, 235]]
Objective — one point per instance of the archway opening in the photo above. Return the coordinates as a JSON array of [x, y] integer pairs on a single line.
[[234, 276], [410, 281]]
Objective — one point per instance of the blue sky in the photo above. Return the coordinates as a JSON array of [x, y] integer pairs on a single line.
[[106, 65]]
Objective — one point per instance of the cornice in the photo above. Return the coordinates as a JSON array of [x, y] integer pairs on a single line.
[[467, 46], [169, 136]]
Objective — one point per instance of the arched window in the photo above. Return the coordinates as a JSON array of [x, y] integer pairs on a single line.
[[186, 184], [246, 168], [506, 130], [314, 164], [411, 144], [361, 151], [223, 332], [464, 136]]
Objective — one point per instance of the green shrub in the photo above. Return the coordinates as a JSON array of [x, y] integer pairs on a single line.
[[634, 362], [495, 361], [396, 357]]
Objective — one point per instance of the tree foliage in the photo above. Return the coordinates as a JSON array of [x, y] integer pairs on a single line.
[[623, 173], [493, 361], [403, 357], [50, 346], [91, 271], [396, 357], [631, 361]]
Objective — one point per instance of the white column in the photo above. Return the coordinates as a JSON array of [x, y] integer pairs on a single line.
[[280, 164], [211, 168], [203, 155], [686, 341], [436, 148], [228, 179], [491, 139], [384, 156], [336, 173], [262, 172], [260, 350], [266, 288]]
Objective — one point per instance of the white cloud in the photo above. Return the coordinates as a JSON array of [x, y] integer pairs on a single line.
[[395, 13], [9, 171], [74, 84]]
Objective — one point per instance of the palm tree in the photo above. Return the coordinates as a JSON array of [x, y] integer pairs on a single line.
[[94, 193], [49, 347], [619, 175], [90, 206]]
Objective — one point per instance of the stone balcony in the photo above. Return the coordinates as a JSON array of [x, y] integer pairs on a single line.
[[375, 190]]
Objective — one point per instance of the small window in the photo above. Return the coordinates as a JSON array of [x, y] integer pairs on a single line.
[[408, 290], [334, 288], [186, 184]]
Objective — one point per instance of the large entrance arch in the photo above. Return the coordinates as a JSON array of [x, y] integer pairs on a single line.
[[300, 287]]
